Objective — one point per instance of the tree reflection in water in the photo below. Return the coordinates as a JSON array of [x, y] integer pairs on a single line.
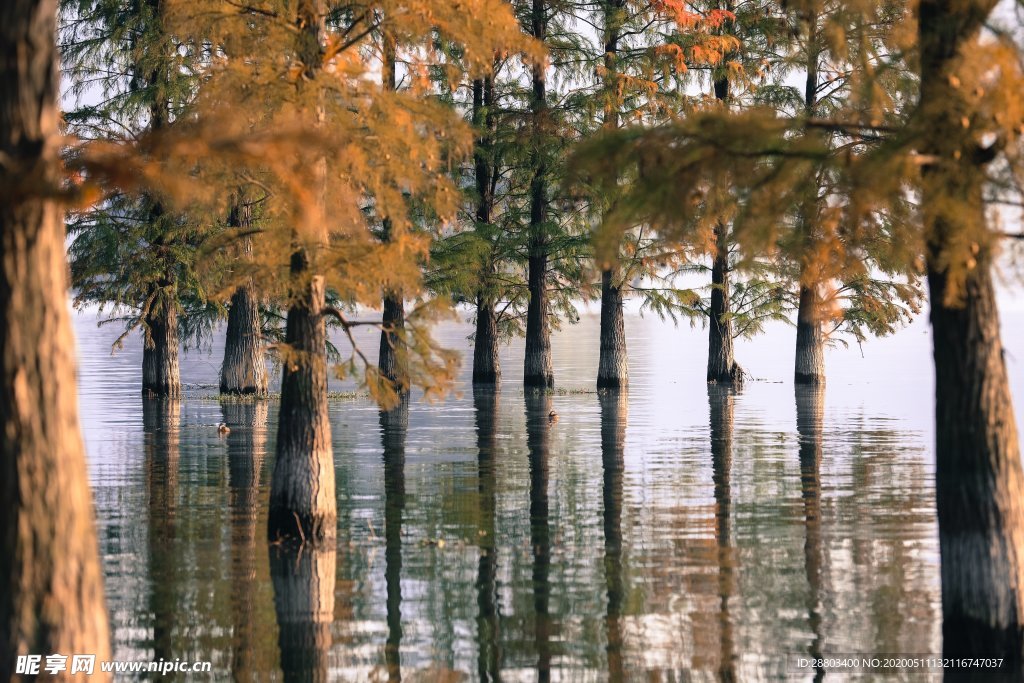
[[614, 414], [722, 404], [394, 425], [485, 403], [810, 411], [538, 433], [161, 423]]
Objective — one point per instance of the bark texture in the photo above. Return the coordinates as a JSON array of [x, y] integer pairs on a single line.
[[303, 577], [392, 359], [810, 413], [614, 415], [244, 370], [161, 372], [979, 484], [722, 404], [613, 364], [302, 494], [538, 439], [538, 369], [488, 620], [810, 339], [722, 365], [486, 362], [51, 585], [394, 425]]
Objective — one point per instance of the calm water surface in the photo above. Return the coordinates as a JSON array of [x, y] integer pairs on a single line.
[[678, 533]]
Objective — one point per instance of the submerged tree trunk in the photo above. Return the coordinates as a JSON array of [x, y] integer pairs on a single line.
[[614, 414], [538, 370], [538, 437], [244, 370], [161, 374], [613, 364], [488, 620], [394, 425], [810, 411], [51, 584], [304, 578], [979, 484], [810, 339], [391, 359], [486, 364], [302, 494], [722, 365]]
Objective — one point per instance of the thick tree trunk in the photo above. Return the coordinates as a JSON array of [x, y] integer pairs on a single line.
[[394, 425], [613, 364], [614, 415], [539, 370], [302, 494], [538, 437], [722, 404], [486, 363], [246, 447], [161, 422], [810, 411], [303, 577], [51, 585], [392, 359], [979, 484], [161, 374], [244, 370], [488, 620], [810, 339], [722, 365]]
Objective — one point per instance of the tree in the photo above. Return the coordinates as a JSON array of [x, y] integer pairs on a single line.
[[51, 585]]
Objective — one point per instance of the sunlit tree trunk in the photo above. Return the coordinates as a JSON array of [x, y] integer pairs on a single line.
[[244, 370], [51, 585], [613, 362], [810, 411], [539, 370], [394, 426], [486, 363], [538, 444], [614, 415], [161, 373], [303, 506], [979, 484], [810, 338], [722, 404], [488, 621]]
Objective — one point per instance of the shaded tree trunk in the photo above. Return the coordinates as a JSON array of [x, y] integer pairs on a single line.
[[613, 364], [488, 620], [538, 368], [302, 493], [161, 373], [722, 365], [244, 370], [303, 577], [810, 339], [614, 415], [722, 404], [538, 437], [810, 412], [51, 584], [979, 484], [486, 363], [394, 426]]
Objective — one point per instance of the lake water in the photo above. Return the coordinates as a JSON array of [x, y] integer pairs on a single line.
[[677, 533]]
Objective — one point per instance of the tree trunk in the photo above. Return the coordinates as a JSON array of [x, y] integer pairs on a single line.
[[810, 339], [538, 436], [244, 370], [394, 425], [488, 621], [538, 370], [613, 365], [303, 577], [979, 484], [810, 411], [302, 494], [161, 422], [51, 585], [614, 414], [392, 359], [722, 404], [722, 365], [161, 375], [486, 363]]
